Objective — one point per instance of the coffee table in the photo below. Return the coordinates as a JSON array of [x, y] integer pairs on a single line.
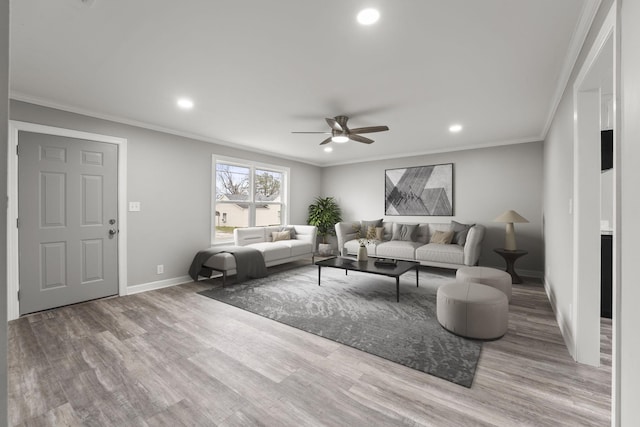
[[369, 266]]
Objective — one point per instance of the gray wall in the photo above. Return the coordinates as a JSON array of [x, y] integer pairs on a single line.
[[558, 191], [486, 182], [4, 115], [171, 177]]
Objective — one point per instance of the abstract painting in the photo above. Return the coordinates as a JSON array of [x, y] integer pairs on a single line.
[[421, 190]]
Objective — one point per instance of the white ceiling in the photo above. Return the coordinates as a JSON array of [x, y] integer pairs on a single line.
[[259, 69]]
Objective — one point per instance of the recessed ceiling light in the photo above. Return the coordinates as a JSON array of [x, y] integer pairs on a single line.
[[455, 128], [328, 149], [340, 139], [368, 16], [185, 103]]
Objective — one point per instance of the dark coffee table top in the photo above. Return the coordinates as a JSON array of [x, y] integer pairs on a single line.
[[369, 266]]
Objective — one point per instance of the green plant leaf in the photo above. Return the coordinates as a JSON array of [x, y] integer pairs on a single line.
[[324, 213]]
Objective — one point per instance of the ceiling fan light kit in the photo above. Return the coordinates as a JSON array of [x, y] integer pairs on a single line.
[[340, 139], [340, 132]]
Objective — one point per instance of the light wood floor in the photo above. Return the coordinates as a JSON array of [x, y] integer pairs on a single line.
[[172, 357]]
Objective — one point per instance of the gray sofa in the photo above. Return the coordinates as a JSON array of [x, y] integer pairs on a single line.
[[416, 246]]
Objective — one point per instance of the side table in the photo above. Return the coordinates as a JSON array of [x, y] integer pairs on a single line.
[[510, 258]]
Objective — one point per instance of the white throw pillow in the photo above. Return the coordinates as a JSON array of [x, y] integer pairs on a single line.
[[280, 235]]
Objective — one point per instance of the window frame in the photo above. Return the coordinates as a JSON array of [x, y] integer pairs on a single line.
[[252, 165]]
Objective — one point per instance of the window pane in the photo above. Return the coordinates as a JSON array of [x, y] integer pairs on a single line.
[[232, 182], [268, 185], [228, 217], [268, 214]]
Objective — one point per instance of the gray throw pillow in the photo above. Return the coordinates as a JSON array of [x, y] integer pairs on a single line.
[[460, 232], [404, 232]]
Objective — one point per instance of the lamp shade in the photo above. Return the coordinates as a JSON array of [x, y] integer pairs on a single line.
[[511, 216], [510, 235]]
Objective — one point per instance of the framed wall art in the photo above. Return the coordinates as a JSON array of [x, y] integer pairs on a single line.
[[419, 191]]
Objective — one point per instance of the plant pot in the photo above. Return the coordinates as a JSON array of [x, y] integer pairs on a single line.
[[362, 253], [324, 248]]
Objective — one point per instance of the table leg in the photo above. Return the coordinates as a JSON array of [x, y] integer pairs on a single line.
[[319, 268], [511, 270], [398, 289], [417, 275]]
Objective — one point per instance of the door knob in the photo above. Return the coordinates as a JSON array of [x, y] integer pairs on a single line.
[[112, 231]]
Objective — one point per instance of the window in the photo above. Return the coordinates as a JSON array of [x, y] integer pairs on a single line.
[[247, 194]]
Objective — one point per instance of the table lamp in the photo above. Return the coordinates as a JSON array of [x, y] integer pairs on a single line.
[[510, 236]]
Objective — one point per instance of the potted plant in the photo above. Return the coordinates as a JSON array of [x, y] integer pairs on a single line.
[[324, 213]]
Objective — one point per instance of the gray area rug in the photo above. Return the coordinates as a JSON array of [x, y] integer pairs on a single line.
[[360, 310]]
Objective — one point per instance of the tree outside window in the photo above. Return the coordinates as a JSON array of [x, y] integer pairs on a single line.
[[246, 195]]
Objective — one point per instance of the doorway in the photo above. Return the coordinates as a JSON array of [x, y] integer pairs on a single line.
[[50, 254], [593, 86]]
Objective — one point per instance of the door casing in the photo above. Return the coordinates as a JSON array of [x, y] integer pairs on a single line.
[[12, 215]]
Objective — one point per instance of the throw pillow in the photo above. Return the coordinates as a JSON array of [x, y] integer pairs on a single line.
[[422, 234], [290, 229], [371, 233], [404, 232], [280, 235], [379, 233], [460, 232], [364, 226], [441, 237]]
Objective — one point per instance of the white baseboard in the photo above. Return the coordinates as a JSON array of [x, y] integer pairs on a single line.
[[565, 328], [144, 287]]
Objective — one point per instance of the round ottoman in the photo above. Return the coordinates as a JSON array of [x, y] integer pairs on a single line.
[[472, 310], [487, 276]]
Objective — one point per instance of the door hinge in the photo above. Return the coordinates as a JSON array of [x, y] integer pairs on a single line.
[[17, 222], [18, 295], [17, 150]]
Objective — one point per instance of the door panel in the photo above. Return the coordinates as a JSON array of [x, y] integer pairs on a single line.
[[54, 264], [67, 191], [92, 197], [53, 205], [92, 260]]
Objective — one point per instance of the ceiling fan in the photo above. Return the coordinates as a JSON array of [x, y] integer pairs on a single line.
[[341, 133]]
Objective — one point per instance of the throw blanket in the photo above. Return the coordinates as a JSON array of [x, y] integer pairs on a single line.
[[249, 262]]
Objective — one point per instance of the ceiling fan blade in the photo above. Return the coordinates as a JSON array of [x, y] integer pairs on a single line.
[[326, 141], [370, 129], [360, 139], [325, 133], [333, 124]]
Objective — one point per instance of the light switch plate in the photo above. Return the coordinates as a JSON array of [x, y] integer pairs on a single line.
[[134, 206]]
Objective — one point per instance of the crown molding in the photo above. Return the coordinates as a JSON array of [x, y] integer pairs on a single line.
[[93, 114], [438, 151], [19, 96], [580, 32]]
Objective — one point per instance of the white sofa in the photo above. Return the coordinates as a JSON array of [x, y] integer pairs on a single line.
[[418, 248], [301, 245]]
